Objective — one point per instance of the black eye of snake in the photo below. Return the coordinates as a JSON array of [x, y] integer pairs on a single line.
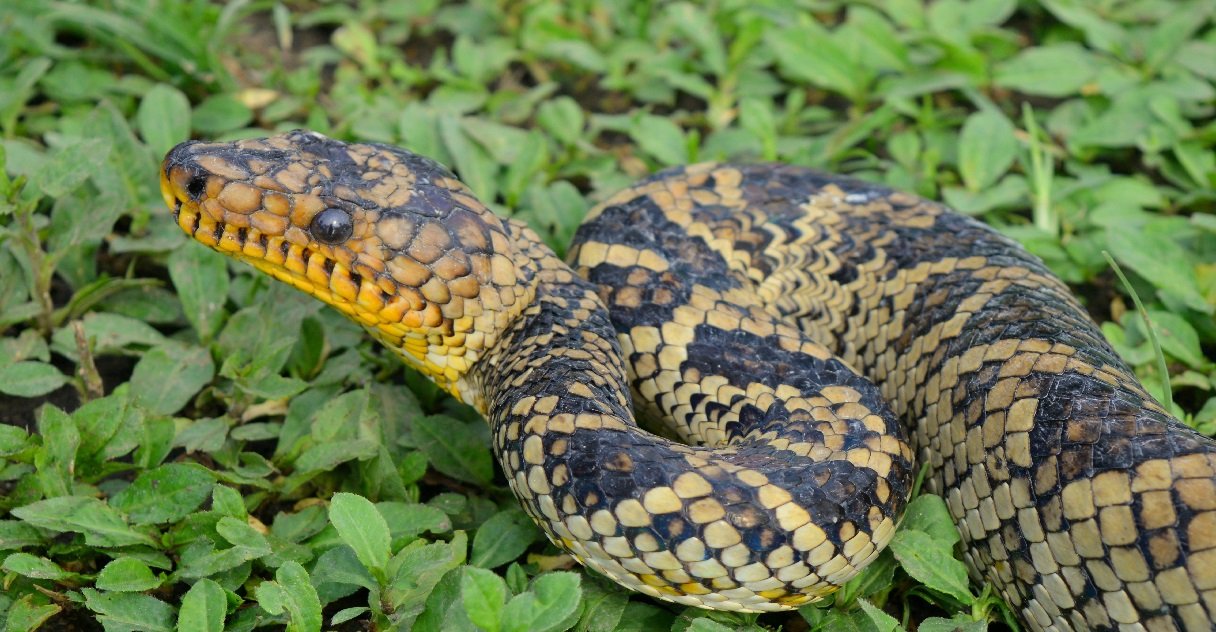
[[332, 226]]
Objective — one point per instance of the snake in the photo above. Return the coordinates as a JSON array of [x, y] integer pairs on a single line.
[[719, 401]]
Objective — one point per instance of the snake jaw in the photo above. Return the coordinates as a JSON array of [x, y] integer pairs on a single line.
[[425, 267]]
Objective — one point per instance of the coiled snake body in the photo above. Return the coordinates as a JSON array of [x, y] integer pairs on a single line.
[[731, 303]]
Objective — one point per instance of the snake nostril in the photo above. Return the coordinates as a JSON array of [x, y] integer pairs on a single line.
[[196, 187]]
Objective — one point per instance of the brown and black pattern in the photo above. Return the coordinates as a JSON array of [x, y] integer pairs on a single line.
[[733, 303]]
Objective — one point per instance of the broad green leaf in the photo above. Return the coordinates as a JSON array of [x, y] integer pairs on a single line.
[[661, 138], [807, 53], [18, 535], [453, 450], [241, 533], [552, 604], [502, 538], [165, 494], [986, 149], [169, 376], [56, 458], [705, 624], [221, 113], [164, 117], [70, 165], [444, 610], [1141, 251], [932, 562], [603, 607], [101, 525], [24, 614], [1055, 70], [203, 608], [326, 456], [1178, 338], [484, 595], [958, 624], [562, 118], [363, 528], [929, 513], [298, 598], [416, 570], [34, 567], [200, 276], [30, 379], [227, 501], [411, 519], [339, 565], [129, 611], [126, 574], [882, 621]]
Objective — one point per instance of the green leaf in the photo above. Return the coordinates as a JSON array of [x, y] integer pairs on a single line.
[[339, 565], [958, 624], [552, 604], [30, 379], [227, 501], [705, 624], [203, 608], [329, 455], [410, 519], [56, 458], [34, 567], [101, 525], [661, 138], [603, 607], [807, 53], [364, 529], [1055, 70], [502, 538], [986, 149], [221, 113], [882, 621], [18, 535], [70, 165], [484, 594], [165, 494], [452, 450], [562, 118], [929, 513], [129, 611], [417, 568], [1178, 338], [200, 276], [241, 533], [169, 376], [24, 614], [932, 562], [1141, 251], [126, 574], [164, 117], [293, 593]]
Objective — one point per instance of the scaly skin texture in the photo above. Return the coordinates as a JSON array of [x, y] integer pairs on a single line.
[[731, 302]]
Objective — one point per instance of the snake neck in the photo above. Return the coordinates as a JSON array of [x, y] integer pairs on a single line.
[[564, 320]]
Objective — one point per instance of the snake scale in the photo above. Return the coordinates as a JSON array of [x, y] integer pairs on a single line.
[[730, 302]]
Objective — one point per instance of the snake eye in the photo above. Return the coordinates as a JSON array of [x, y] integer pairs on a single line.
[[196, 187], [332, 226]]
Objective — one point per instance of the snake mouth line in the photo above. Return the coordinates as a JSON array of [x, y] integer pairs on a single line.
[[268, 253]]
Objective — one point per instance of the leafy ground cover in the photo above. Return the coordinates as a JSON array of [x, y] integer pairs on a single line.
[[186, 444]]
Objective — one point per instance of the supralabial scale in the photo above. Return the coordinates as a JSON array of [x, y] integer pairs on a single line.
[[808, 337]]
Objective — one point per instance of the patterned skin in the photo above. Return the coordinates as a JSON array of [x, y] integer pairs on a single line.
[[731, 303]]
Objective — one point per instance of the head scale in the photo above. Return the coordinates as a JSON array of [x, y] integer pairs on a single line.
[[390, 238]]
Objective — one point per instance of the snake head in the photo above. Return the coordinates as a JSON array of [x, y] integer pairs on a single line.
[[388, 237]]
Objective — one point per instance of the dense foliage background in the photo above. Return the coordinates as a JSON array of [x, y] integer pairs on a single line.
[[184, 443]]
